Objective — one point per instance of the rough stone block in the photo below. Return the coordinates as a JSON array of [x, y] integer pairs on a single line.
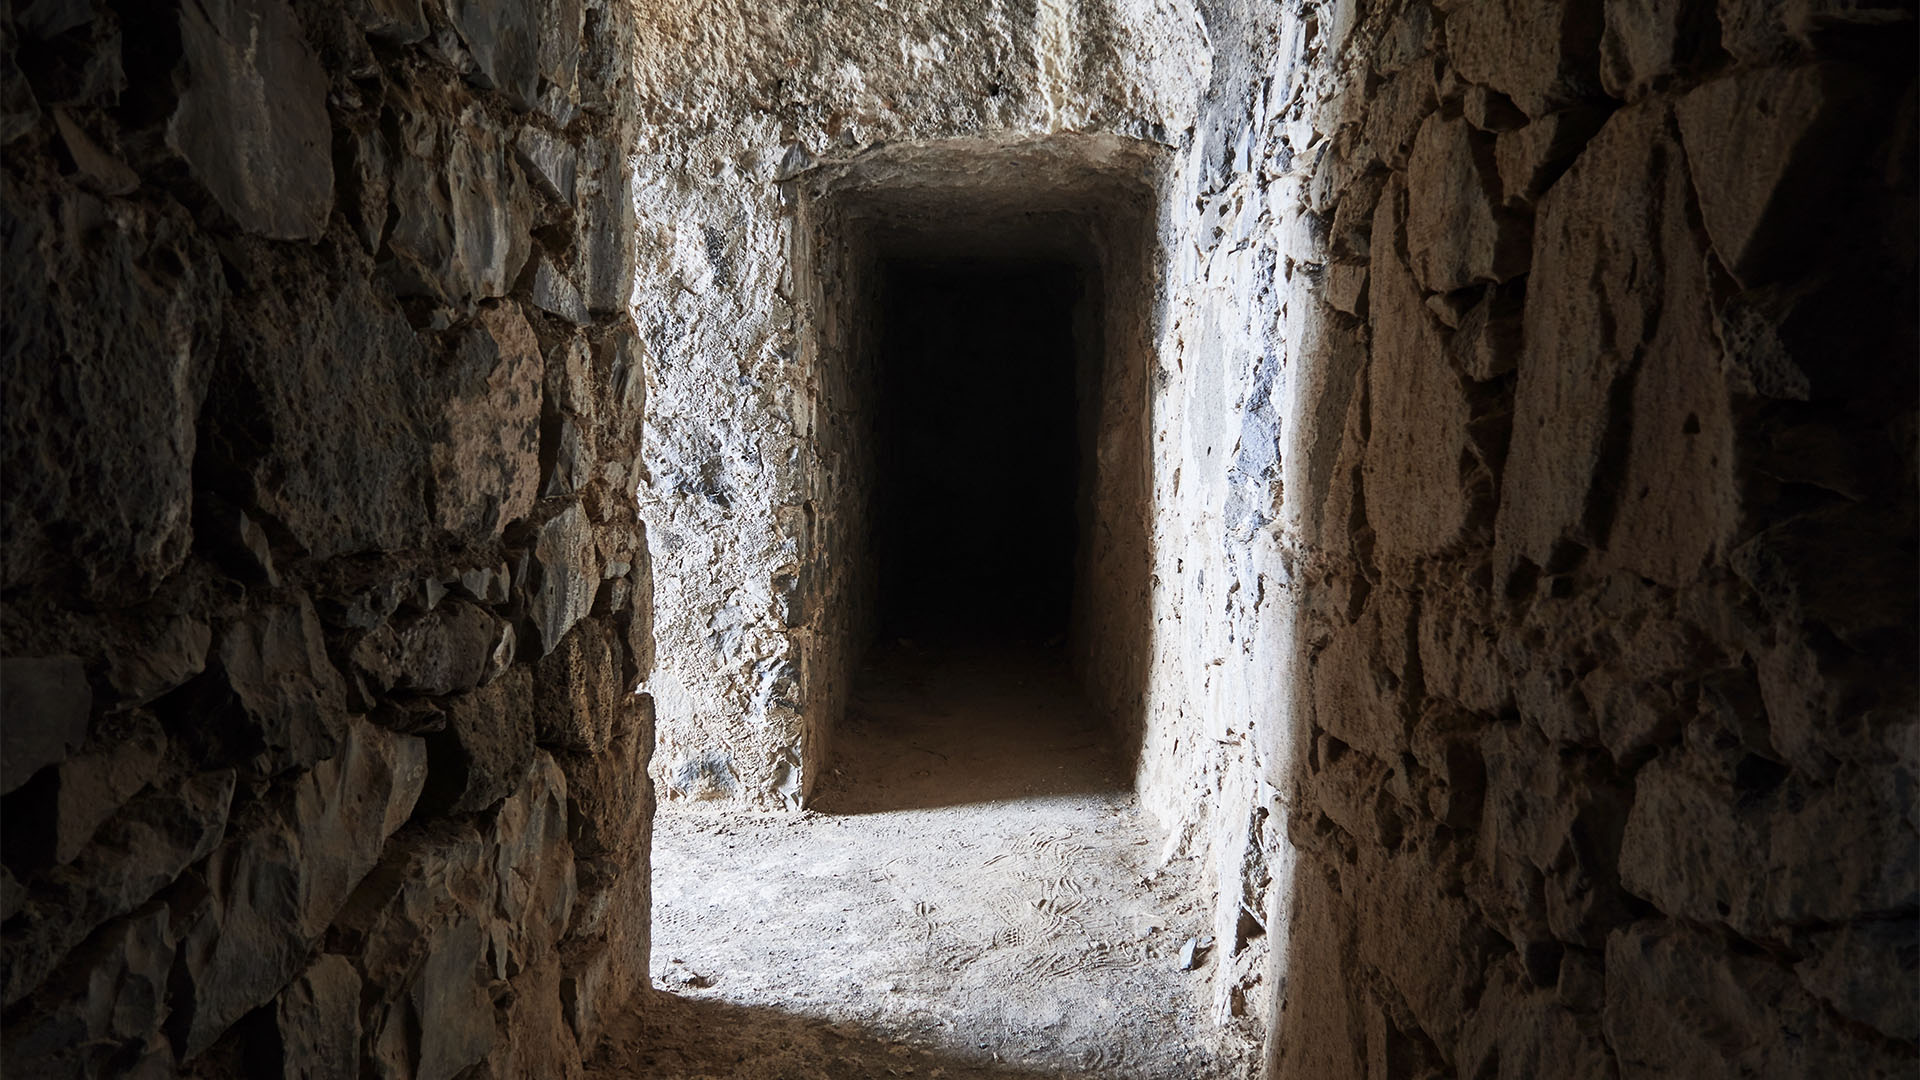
[[1682, 1002], [119, 349], [569, 467], [1818, 714], [1546, 691], [137, 853], [400, 21], [13, 895], [1354, 700], [1763, 850], [48, 704], [271, 891], [1345, 786], [1678, 505], [325, 428], [1427, 944], [317, 1022], [1395, 113], [611, 796], [585, 988], [1412, 34], [483, 754], [488, 585], [252, 122], [608, 235], [622, 356], [1764, 147], [1519, 1032], [1352, 227], [554, 293], [1416, 501], [1531, 158], [572, 378], [505, 43], [90, 787], [443, 1021], [1643, 41], [104, 171], [1540, 53], [579, 699], [173, 650], [1852, 967], [103, 1012], [1531, 803], [1318, 1008], [1337, 388], [561, 25], [492, 209], [1612, 246], [1459, 659], [463, 210], [1444, 744], [1766, 33], [1458, 231], [1486, 344], [1511, 892], [564, 576], [604, 964], [607, 887], [486, 454], [1345, 288], [549, 160], [275, 661], [421, 235], [533, 866], [448, 650], [1630, 714], [367, 184], [1490, 110], [419, 924], [534, 1036], [430, 873]]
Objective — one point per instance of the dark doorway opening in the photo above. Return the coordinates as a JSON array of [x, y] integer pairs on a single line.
[[977, 339], [985, 371], [979, 449]]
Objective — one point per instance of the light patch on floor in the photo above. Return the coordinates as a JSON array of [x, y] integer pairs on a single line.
[[976, 894]]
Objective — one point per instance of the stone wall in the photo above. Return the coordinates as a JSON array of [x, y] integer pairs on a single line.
[[739, 102], [324, 593], [1595, 327]]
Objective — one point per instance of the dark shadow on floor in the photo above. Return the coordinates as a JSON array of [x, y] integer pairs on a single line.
[[951, 724], [674, 1037]]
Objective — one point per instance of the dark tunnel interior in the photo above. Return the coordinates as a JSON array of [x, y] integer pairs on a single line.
[[978, 449]]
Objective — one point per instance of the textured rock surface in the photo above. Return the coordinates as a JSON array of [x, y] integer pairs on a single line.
[[1554, 804], [1505, 481], [48, 706], [252, 122], [750, 495], [279, 560], [317, 1020], [270, 892], [1527, 453]]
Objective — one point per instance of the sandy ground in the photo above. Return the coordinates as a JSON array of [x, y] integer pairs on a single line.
[[974, 894]]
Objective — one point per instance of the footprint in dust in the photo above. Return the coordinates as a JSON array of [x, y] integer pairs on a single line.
[[1053, 965], [951, 956]]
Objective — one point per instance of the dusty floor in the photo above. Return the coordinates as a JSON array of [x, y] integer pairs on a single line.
[[974, 895]]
